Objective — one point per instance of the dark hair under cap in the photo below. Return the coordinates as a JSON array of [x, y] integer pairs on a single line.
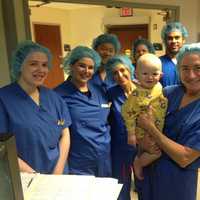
[[145, 42], [173, 26], [107, 38]]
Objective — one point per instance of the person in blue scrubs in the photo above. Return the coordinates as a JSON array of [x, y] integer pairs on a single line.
[[120, 69], [35, 115], [174, 176], [173, 36], [107, 45], [142, 46], [89, 109]]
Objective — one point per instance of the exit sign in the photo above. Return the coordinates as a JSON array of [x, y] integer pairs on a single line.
[[126, 12]]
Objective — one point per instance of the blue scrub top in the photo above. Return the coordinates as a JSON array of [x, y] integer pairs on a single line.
[[118, 128], [37, 129], [90, 137], [104, 85], [165, 179], [170, 74], [122, 154]]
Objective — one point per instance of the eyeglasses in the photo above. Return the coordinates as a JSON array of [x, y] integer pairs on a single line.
[[186, 69]]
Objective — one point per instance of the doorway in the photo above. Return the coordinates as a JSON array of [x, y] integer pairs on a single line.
[[128, 33], [50, 37], [72, 17]]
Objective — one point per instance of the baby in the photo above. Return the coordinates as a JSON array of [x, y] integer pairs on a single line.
[[147, 93]]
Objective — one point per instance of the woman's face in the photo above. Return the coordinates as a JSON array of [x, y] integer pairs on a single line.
[[190, 72], [106, 51], [34, 69], [141, 50], [82, 71], [121, 75]]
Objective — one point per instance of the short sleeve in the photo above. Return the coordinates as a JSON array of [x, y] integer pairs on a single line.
[[61, 108], [192, 139], [169, 91]]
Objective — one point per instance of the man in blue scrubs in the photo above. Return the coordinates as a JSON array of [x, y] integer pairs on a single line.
[[89, 109], [37, 116], [173, 35]]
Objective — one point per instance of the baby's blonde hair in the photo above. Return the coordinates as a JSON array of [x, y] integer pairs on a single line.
[[150, 59]]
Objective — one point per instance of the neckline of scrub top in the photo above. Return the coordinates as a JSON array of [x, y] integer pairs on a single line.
[[25, 95], [177, 100], [166, 57], [75, 89], [104, 83], [97, 79], [87, 93]]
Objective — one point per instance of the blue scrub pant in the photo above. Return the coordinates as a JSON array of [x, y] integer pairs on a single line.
[[121, 170], [100, 167]]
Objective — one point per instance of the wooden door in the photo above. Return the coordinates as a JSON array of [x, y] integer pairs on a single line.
[[49, 36], [128, 33]]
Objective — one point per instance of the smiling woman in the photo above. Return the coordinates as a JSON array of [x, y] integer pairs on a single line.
[[180, 143], [34, 113], [120, 69], [190, 73], [82, 72], [34, 71], [89, 109]]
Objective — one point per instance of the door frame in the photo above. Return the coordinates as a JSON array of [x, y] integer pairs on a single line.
[[175, 10]]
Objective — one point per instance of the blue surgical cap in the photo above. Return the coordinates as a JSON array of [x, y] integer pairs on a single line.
[[142, 41], [78, 53], [171, 27], [193, 48], [107, 38], [20, 54], [119, 59]]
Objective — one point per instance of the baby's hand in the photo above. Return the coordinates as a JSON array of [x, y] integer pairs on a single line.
[[145, 120]]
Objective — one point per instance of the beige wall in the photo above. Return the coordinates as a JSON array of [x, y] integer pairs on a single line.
[[140, 16], [86, 24], [189, 16], [80, 26], [49, 16]]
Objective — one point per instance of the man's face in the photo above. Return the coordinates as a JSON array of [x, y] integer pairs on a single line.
[[174, 42]]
